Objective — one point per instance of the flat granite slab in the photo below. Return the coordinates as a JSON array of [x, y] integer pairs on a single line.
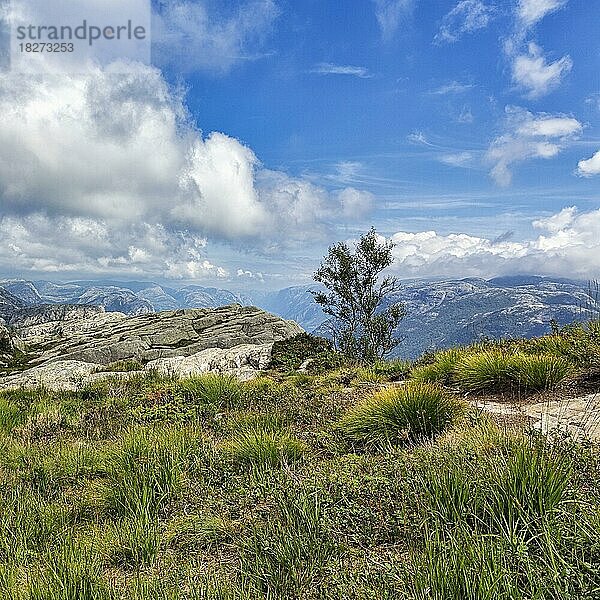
[[579, 417]]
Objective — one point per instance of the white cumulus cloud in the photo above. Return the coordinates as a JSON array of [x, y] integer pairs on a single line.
[[531, 70], [529, 136], [532, 11], [104, 172], [390, 14], [589, 166], [355, 203], [568, 245], [533, 73]]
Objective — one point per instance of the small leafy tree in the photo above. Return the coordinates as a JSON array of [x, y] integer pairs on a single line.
[[362, 327]]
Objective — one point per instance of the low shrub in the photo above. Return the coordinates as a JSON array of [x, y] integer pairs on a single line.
[[262, 390], [409, 411], [288, 355]]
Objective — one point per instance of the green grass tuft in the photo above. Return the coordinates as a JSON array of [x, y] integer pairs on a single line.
[[410, 411], [264, 447], [441, 370], [213, 389], [134, 541], [286, 557], [146, 470], [11, 415], [70, 573], [540, 372], [498, 371], [489, 371]]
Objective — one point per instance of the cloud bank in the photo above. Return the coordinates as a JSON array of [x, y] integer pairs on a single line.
[[105, 172], [568, 245]]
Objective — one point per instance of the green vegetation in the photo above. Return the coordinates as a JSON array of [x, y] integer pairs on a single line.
[[264, 448], [360, 482], [494, 369], [359, 303], [289, 355], [439, 368], [401, 413]]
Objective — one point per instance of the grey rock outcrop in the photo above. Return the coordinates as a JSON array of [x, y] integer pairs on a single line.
[[243, 361], [66, 344], [49, 324], [577, 417], [59, 375], [111, 337], [5, 340]]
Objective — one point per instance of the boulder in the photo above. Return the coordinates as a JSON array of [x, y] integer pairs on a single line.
[[244, 361], [577, 417]]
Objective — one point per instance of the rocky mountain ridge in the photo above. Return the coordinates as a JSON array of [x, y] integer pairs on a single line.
[[439, 313]]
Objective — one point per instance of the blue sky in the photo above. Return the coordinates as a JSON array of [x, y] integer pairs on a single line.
[[467, 131]]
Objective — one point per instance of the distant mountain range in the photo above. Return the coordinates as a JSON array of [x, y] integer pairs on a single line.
[[439, 313]]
